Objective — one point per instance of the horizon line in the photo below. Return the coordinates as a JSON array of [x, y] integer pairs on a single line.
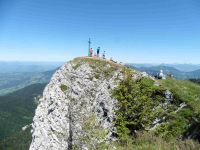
[[55, 61]]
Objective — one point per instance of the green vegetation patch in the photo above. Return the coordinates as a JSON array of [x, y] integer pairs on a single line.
[[185, 91], [19, 141], [100, 66], [136, 101], [17, 109], [140, 103], [63, 87], [185, 122], [148, 141]]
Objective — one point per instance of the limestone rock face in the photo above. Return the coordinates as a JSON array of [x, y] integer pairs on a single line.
[[77, 90]]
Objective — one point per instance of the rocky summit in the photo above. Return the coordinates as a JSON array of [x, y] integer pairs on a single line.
[[92, 103], [80, 89]]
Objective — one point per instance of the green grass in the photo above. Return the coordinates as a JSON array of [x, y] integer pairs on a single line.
[[97, 61], [102, 67], [148, 141], [185, 91]]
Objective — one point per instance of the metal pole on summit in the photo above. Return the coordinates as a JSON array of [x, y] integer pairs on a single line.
[[89, 42]]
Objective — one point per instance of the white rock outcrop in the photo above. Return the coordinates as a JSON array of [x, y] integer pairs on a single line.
[[74, 92]]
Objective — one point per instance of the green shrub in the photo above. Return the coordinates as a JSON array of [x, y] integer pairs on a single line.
[[136, 101]]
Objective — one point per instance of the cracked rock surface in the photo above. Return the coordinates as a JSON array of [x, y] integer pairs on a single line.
[[75, 91]]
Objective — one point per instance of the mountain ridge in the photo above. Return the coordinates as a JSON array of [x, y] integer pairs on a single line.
[[90, 102], [153, 70]]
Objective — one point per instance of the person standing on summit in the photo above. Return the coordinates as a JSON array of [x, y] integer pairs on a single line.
[[98, 51], [104, 55], [91, 52]]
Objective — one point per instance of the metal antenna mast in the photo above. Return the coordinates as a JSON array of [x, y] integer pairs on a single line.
[[89, 42]]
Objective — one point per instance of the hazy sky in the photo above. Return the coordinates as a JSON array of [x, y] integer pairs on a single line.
[[138, 31]]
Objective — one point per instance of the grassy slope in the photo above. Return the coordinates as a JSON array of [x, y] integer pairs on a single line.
[[183, 124], [102, 67], [93, 61], [187, 91]]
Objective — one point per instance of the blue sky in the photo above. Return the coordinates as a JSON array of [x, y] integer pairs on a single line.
[[135, 31]]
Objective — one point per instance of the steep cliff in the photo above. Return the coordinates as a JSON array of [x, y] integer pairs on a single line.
[[78, 90], [90, 102]]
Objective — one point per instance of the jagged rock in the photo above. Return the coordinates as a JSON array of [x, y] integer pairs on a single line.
[[168, 95], [78, 89]]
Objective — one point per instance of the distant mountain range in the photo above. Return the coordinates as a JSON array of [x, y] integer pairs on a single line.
[[17, 75], [10, 82], [178, 73], [180, 67]]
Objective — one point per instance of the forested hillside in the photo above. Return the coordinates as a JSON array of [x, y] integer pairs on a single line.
[[17, 109]]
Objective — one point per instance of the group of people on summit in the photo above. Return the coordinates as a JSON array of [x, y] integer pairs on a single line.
[[97, 54]]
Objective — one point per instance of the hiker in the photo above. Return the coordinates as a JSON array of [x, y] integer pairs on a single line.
[[98, 51], [91, 52], [104, 55]]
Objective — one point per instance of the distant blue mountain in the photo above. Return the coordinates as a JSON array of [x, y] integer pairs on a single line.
[[180, 67], [178, 74]]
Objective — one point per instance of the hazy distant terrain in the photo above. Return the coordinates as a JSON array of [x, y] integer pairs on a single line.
[[170, 69], [180, 67], [10, 82], [10, 67], [17, 75]]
